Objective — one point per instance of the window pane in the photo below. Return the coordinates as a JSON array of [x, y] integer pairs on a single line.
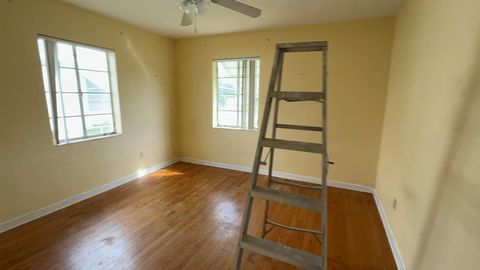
[[91, 59], [46, 85], [229, 102], [61, 129], [59, 105], [51, 124], [255, 113], [97, 103], [229, 119], [41, 51], [74, 127], [229, 86], [99, 124], [65, 55], [94, 81], [68, 80], [49, 104], [227, 69], [71, 104]]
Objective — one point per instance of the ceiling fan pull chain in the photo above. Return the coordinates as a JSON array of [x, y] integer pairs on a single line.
[[195, 19]]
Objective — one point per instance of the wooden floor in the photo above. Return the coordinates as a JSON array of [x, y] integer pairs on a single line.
[[187, 217]]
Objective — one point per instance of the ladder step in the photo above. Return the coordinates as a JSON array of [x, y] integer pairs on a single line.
[[282, 253], [293, 145], [276, 224], [289, 198], [299, 127], [296, 184], [298, 96]]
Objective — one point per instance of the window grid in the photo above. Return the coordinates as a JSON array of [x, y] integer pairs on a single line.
[[246, 93], [49, 55]]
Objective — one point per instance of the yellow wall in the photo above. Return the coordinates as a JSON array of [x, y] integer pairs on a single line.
[[359, 56], [430, 148], [33, 172]]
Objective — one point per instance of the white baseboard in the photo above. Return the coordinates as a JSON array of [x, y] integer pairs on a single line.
[[389, 232], [338, 184], [12, 223], [291, 176]]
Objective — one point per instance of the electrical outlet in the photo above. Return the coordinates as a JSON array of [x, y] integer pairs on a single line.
[[140, 155], [394, 204]]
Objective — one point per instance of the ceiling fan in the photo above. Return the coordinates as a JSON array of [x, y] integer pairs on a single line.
[[193, 8]]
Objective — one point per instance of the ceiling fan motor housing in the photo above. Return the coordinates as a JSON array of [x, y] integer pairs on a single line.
[[195, 7]]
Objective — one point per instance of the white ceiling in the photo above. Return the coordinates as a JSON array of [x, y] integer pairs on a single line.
[[163, 16]]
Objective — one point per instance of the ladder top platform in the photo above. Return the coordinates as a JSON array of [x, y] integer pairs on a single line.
[[303, 46]]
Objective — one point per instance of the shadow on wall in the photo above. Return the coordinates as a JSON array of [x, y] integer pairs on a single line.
[[450, 238]]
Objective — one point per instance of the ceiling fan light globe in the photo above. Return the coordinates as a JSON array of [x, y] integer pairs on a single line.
[[195, 9], [183, 5]]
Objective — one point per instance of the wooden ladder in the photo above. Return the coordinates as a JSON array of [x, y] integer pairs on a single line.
[[261, 245]]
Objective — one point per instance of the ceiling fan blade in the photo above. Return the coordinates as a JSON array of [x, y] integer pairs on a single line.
[[239, 7], [187, 19]]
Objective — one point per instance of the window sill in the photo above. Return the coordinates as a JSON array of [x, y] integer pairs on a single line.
[[239, 129], [89, 139]]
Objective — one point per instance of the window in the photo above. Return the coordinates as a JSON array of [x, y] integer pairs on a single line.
[[236, 83], [80, 89]]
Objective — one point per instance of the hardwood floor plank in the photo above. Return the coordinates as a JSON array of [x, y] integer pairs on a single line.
[[188, 217]]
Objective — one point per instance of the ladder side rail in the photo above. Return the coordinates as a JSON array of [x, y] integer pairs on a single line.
[[256, 163], [274, 135], [325, 159]]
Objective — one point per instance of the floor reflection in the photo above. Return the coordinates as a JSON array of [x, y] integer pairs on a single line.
[[107, 246]]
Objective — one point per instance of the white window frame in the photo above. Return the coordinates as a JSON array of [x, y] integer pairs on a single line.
[[247, 116], [53, 69]]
